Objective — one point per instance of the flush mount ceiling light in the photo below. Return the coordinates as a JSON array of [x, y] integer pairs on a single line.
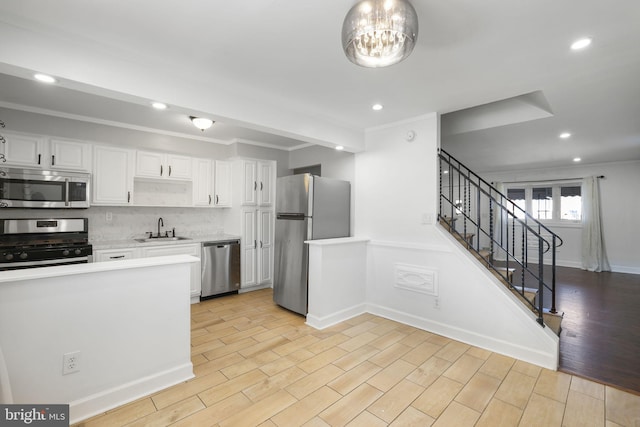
[[44, 78], [379, 33], [564, 135], [201, 123], [581, 43], [577, 159], [339, 148], [376, 107]]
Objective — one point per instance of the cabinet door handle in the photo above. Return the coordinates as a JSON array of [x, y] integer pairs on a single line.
[[53, 160], [217, 199], [39, 156], [128, 196], [209, 198], [169, 170], [255, 185], [255, 244], [116, 257], [260, 244], [160, 170], [260, 185]]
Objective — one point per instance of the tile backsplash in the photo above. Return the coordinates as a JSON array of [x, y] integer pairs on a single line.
[[133, 222]]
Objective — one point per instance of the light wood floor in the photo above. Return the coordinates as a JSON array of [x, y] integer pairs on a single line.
[[259, 365]]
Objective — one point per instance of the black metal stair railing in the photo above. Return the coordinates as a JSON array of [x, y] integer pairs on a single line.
[[506, 236]]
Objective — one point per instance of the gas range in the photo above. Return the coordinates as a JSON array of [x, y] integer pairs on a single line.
[[29, 243]]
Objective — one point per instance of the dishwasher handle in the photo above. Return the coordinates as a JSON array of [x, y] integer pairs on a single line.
[[221, 244]]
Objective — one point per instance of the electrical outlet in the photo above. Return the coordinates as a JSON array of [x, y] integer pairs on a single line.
[[109, 216], [70, 362], [436, 303]]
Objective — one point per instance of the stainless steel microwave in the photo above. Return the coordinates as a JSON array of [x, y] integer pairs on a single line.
[[33, 188]]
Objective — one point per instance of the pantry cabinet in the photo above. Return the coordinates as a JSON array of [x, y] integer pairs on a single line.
[[258, 182], [257, 247]]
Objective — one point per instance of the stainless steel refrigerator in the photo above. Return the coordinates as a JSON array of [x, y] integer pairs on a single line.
[[308, 207]]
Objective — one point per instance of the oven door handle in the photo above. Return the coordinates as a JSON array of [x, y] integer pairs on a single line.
[[44, 263]]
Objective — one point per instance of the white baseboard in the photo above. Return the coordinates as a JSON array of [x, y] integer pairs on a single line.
[[318, 322], [547, 360], [98, 403], [254, 288], [625, 269]]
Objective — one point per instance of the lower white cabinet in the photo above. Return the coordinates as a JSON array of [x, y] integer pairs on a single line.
[[103, 255], [193, 249]]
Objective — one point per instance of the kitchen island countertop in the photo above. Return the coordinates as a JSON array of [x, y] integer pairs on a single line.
[[132, 243]]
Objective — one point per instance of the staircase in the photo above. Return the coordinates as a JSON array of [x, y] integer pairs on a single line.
[[518, 249]]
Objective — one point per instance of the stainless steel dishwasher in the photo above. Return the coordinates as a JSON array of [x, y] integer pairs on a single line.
[[220, 267]]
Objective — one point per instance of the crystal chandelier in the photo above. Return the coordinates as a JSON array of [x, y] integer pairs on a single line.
[[379, 33]]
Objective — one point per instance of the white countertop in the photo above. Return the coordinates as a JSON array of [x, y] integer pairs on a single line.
[[67, 270], [337, 241], [132, 243]]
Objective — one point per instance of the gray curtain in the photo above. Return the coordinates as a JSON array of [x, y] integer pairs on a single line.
[[594, 257]]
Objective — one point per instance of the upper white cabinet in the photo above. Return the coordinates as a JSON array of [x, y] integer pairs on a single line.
[[202, 183], [222, 183], [162, 166], [38, 152], [112, 176], [70, 155], [258, 182], [212, 183], [22, 150]]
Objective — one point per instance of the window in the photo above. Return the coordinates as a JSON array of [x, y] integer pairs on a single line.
[[517, 196], [542, 202], [555, 202]]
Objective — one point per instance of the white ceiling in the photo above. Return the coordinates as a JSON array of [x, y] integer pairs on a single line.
[[273, 71]]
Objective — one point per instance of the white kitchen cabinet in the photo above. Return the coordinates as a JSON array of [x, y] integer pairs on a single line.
[[103, 255], [162, 166], [23, 150], [212, 183], [70, 155], [257, 247], [189, 249], [222, 183], [258, 182], [112, 180], [202, 182]]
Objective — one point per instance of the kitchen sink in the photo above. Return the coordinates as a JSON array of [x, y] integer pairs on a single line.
[[161, 239]]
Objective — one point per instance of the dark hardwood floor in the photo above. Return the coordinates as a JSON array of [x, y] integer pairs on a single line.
[[600, 337]]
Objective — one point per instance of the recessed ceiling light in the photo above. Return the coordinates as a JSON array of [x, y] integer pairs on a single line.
[[564, 135], [377, 107], [159, 105], [577, 159], [44, 78], [581, 43], [339, 148], [445, 171]]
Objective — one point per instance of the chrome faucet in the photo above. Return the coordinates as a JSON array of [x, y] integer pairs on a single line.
[[160, 223]]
